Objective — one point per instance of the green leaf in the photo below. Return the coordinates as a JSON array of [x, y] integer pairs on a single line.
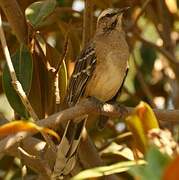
[[119, 150], [156, 163], [22, 62], [60, 2], [38, 11], [148, 56], [107, 170]]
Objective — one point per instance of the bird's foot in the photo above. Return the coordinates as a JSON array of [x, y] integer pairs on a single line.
[[120, 108], [104, 119]]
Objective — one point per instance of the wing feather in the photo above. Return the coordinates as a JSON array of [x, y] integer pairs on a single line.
[[83, 70]]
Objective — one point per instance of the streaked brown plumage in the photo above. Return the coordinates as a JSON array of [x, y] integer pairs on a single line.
[[99, 72]]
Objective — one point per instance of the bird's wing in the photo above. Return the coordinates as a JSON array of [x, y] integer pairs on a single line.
[[83, 69], [66, 155]]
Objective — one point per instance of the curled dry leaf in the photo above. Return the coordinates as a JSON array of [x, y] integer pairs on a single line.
[[17, 126]]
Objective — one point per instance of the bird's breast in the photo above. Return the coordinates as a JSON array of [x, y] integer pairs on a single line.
[[112, 54], [108, 76]]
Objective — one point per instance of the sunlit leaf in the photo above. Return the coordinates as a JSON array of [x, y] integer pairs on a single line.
[[147, 116], [135, 126], [121, 150], [107, 170], [17, 126], [23, 66], [172, 5], [62, 80], [140, 122], [38, 11]]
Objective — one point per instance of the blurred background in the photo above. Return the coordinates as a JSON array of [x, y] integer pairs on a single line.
[[152, 33]]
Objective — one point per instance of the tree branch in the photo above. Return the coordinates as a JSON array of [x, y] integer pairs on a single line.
[[87, 22], [86, 106]]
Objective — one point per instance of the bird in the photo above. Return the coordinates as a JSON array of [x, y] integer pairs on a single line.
[[99, 72]]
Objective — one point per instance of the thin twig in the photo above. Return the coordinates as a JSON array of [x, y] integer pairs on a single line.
[[65, 50], [25, 153], [35, 44], [16, 84], [87, 22], [57, 91], [23, 167], [56, 73], [31, 156]]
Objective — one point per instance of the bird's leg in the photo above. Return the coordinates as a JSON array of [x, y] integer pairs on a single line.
[[101, 123], [100, 105], [103, 119], [121, 108]]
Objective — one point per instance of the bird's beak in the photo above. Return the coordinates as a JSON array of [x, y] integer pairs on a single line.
[[120, 12], [123, 10]]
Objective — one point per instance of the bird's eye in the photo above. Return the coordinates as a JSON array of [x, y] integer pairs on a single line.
[[110, 15], [113, 25]]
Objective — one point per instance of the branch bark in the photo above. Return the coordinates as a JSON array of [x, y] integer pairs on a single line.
[[87, 22]]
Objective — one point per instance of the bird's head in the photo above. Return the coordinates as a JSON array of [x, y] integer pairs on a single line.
[[111, 18]]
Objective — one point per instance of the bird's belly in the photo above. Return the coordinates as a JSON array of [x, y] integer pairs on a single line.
[[105, 82]]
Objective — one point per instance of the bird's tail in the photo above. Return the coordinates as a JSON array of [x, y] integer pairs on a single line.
[[67, 149]]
